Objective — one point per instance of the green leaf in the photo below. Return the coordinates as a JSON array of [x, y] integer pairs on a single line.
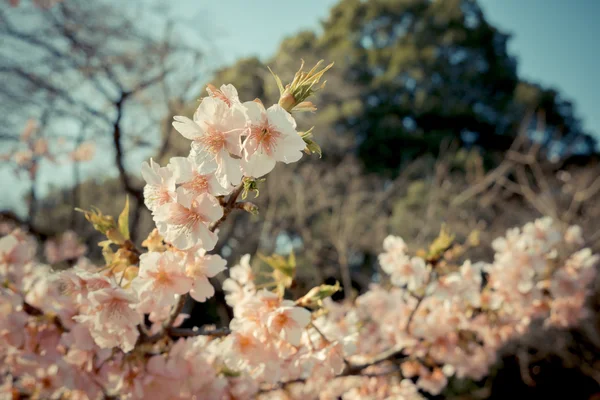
[[313, 148], [278, 81], [124, 220], [442, 243]]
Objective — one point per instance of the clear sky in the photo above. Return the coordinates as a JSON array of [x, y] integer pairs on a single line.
[[556, 41]]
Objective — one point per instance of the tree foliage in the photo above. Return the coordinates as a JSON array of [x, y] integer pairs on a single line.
[[411, 75]]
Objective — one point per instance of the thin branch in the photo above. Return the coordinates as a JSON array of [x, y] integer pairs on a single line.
[[352, 370], [180, 332], [9, 216]]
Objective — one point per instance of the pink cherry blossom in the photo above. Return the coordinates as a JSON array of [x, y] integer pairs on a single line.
[[66, 247], [160, 185], [196, 179], [216, 136], [198, 268], [184, 223], [289, 322], [272, 137], [226, 93], [160, 281], [240, 284], [111, 318]]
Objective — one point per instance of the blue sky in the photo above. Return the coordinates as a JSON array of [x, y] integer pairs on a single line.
[[554, 40]]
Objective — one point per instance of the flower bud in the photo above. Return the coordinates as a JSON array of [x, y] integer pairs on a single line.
[[248, 207], [102, 223], [287, 101], [292, 97]]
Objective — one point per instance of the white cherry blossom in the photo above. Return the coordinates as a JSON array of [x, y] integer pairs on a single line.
[[184, 223], [272, 137], [216, 137], [160, 185]]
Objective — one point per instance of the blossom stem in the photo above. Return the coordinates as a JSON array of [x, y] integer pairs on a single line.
[[229, 205], [180, 332], [352, 370]]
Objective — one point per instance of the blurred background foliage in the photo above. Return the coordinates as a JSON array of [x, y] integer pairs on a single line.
[[424, 121]]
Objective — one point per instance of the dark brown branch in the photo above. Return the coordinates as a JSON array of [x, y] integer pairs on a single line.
[[230, 205], [352, 370], [36, 312], [180, 332], [9, 216]]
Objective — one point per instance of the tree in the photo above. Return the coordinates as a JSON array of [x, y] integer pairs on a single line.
[[413, 74], [93, 71]]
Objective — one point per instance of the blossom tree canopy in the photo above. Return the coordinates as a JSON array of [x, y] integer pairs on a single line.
[[91, 332]]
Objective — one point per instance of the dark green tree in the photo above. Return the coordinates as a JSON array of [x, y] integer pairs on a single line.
[[411, 75]]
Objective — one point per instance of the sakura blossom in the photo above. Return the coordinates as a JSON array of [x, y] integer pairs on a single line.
[[216, 132], [66, 247], [160, 281], [227, 93], [119, 327], [272, 137], [160, 185], [111, 318], [195, 178], [184, 222], [240, 284], [199, 267], [289, 322]]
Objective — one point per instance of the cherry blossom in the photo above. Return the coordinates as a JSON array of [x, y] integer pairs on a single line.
[[240, 285], [195, 178], [160, 280], [216, 138], [198, 268], [117, 329], [289, 322], [184, 222], [66, 247], [160, 185], [227, 93], [272, 137], [111, 318]]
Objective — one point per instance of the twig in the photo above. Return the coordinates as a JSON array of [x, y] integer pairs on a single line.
[[10, 216], [36, 312], [182, 332], [351, 370], [228, 206]]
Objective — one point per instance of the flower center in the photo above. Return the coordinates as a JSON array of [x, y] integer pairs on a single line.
[[217, 94], [195, 269], [198, 184], [213, 140], [246, 343], [266, 136], [186, 216], [280, 321]]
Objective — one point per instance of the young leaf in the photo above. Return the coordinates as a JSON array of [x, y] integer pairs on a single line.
[[124, 220]]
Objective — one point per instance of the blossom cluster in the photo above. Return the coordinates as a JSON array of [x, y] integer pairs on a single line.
[[273, 340], [91, 331], [403, 338], [446, 321]]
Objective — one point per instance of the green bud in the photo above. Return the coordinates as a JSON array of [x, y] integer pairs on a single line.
[[316, 295]]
